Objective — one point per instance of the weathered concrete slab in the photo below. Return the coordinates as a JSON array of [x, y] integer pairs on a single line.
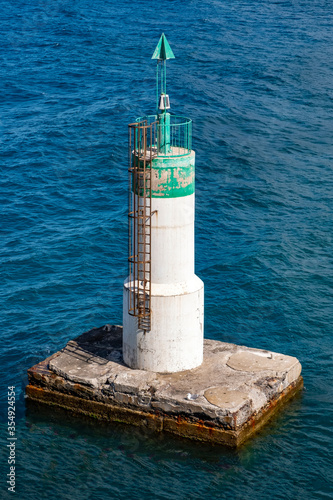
[[226, 399]]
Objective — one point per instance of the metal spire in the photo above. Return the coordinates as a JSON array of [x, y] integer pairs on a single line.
[[162, 52]]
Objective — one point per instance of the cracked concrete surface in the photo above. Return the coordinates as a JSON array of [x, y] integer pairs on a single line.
[[233, 386]]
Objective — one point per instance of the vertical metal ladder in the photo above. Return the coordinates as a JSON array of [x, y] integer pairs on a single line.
[[139, 213]]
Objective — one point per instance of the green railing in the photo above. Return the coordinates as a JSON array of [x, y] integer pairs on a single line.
[[171, 134]]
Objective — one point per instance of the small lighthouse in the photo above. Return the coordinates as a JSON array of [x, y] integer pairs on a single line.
[[234, 390], [163, 302]]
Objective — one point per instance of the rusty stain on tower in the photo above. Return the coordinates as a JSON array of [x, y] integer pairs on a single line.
[[141, 153]]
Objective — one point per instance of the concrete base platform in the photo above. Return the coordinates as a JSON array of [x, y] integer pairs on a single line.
[[225, 400]]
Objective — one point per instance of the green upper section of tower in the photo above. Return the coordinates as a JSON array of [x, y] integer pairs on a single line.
[[163, 50]]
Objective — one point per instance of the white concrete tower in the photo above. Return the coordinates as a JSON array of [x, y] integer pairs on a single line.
[[163, 306]]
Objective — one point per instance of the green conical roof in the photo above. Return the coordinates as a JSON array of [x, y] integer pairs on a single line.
[[163, 50]]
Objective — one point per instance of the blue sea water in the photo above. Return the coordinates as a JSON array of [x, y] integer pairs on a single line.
[[256, 78]]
